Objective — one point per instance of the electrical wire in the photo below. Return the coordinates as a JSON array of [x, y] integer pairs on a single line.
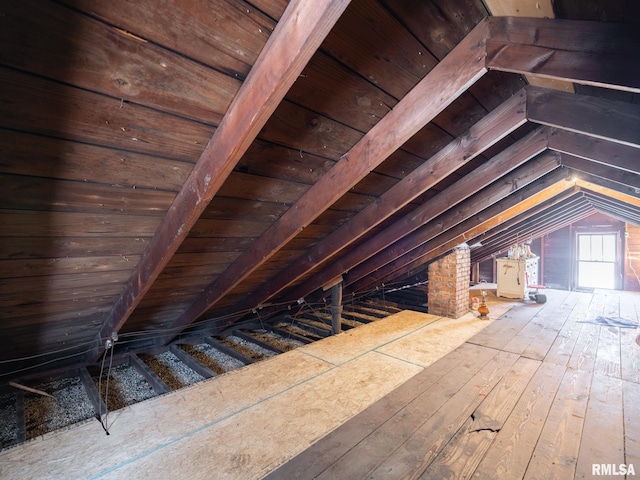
[[104, 356], [132, 337], [106, 394]]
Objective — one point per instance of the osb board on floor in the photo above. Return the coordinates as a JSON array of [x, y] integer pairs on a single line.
[[539, 396], [427, 344], [256, 440], [351, 343], [243, 423]]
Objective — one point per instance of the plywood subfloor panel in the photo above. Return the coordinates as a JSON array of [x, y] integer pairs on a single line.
[[538, 394]]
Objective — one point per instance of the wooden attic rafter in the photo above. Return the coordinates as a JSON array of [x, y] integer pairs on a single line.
[[613, 207], [602, 170], [466, 63], [546, 218], [568, 135], [479, 207], [507, 216], [439, 243], [489, 130], [292, 43], [488, 173], [536, 41]]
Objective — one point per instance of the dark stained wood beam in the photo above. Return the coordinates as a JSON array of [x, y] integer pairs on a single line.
[[601, 170], [590, 53], [450, 78], [493, 127], [613, 154], [478, 214], [297, 36], [489, 172], [596, 117]]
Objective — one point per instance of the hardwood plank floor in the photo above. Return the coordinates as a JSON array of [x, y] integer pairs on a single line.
[[541, 393]]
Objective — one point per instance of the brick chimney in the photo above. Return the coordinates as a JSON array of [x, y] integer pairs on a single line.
[[448, 287]]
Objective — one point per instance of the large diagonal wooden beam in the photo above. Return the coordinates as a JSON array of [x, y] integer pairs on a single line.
[[450, 78], [520, 201], [298, 34], [489, 172], [602, 170], [591, 53], [492, 128], [610, 153]]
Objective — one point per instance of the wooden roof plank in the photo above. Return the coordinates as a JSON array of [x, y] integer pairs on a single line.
[[452, 76], [593, 116], [612, 154], [290, 46]]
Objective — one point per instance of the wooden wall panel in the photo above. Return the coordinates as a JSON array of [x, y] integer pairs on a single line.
[[558, 252], [28, 154], [70, 113], [187, 27], [632, 257], [59, 43]]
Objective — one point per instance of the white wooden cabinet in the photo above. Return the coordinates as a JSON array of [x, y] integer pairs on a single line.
[[514, 276]]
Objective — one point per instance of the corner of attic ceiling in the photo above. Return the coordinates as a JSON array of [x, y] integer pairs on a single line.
[[186, 183]]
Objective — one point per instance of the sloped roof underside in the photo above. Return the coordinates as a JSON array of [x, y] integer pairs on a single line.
[[169, 164]]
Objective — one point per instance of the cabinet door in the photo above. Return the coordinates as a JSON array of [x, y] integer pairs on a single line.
[[510, 275]]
